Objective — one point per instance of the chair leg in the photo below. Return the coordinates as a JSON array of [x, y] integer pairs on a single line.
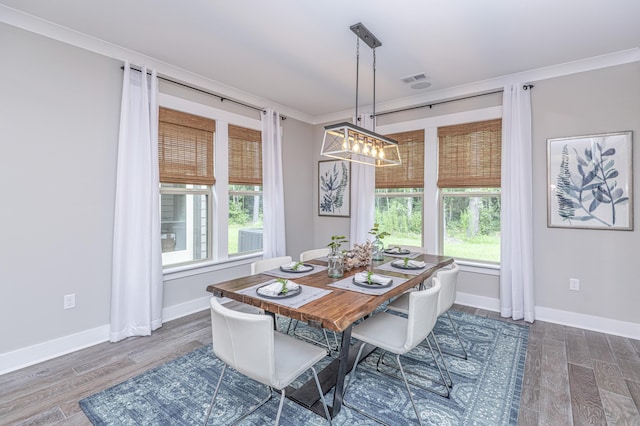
[[280, 407], [352, 378], [406, 383], [446, 385], [327, 345], [324, 402], [450, 382], [455, 330], [215, 393]]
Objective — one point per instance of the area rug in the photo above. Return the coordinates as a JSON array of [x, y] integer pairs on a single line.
[[486, 386]]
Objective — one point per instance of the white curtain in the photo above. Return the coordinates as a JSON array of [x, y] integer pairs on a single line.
[[136, 287], [363, 187], [273, 234], [516, 257]]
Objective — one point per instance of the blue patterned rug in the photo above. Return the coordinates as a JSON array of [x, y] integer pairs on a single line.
[[486, 387]]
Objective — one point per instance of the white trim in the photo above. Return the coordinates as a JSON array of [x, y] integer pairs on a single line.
[[490, 85], [48, 29], [57, 32], [480, 302], [589, 322], [24, 357], [187, 308], [176, 272], [30, 355], [572, 319]]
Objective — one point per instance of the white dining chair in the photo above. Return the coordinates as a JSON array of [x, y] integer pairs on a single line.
[[293, 325], [259, 266], [249, 344], [448, 281], [398, 335], [314, 253]]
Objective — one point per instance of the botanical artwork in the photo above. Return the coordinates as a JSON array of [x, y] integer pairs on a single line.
[[590, 182], [334, 182]]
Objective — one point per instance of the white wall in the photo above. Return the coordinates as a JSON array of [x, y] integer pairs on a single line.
[[59, 119], [600, 101]]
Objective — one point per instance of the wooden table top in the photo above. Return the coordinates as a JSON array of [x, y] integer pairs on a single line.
[[337, 310]]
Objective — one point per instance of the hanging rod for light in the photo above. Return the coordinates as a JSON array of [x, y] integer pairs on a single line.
[[353, 143]]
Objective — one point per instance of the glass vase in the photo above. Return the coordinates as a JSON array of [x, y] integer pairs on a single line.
[[336, 263], [377, 252]]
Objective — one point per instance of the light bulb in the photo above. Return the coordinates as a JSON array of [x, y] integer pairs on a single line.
[[365, 150], [381, 153], [356, 147]]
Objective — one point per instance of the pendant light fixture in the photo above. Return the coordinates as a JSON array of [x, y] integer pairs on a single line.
[[349, 142]]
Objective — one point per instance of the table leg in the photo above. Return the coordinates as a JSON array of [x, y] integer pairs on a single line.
[[343, 361]]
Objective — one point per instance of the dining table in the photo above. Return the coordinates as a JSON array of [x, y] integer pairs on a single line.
[[337, 306]]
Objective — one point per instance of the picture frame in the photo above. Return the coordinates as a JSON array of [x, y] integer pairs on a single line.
[[590, 181], [334, 188]]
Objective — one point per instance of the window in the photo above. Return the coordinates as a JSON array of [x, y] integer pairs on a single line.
[[245, 190], [185, 154], [469, 158], [399, 192]]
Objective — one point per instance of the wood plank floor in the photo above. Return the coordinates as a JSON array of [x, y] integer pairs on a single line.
[[572, 376]]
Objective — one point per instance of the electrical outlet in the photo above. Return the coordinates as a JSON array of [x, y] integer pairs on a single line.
[[574, 284], [69, 301]]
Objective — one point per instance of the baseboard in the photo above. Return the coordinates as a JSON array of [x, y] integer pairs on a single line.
[[184, 309], [24, 357], [556, 316], [589, 322]]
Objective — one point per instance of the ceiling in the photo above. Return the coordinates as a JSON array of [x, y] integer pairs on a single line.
[[302, 55]]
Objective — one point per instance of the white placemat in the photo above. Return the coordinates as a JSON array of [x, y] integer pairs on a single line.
[[348, 284], [388, 267], [308, 294], [277, 272]]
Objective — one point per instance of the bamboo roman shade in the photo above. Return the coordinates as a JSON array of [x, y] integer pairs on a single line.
[[245, 156], [185, 148], [469, 155], [410, 174]]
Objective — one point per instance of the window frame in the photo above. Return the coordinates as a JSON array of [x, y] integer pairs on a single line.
[[219, 258], [431, 195]]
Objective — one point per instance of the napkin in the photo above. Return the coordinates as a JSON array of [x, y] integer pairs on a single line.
[[361, 277], [292, 265], [411, 263], [396, 250], [274, 289]]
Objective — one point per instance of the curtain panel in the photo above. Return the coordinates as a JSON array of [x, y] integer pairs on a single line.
[[136, 288], [274, 237], [516, 256]]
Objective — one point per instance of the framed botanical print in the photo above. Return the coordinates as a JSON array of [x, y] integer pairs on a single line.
[[334, 183], [590, 181]]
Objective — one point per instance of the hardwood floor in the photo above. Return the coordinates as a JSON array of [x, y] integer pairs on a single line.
[[572, 376]]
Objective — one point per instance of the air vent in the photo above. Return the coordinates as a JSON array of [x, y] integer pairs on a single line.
[[415, 77]]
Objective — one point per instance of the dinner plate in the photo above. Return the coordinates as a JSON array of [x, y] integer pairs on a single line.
[[392, 251], [290, 293], [367, 285], [305, 267], [400, 264]]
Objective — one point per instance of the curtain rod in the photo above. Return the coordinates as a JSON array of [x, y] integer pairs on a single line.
[[525, 87], [197, 89]]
